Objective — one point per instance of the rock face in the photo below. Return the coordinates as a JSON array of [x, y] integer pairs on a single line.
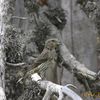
[[79, 35]]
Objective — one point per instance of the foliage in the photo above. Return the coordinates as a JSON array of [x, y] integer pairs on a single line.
[[92, 10], [31, 6], [41, 34], [13, 45], [32, 92], [97, 21], [57, 17], [89, 7]]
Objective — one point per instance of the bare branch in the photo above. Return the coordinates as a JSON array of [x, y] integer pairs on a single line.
[[15, 65], [30, 59], [18, 17], [70, 60], [52, 88]]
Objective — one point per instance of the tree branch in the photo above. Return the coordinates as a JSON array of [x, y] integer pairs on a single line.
[[15, 65], [52, 88], [70, 60], [29, 59]]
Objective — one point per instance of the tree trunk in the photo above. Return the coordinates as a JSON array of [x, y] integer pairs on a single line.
[[2, 54], [6, 11]]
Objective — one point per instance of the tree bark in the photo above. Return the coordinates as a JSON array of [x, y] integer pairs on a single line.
[[2, 54], [6, 11], [75, 65]]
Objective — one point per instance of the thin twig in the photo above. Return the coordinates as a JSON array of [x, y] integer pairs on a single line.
[[15, 65], [23, 18]]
